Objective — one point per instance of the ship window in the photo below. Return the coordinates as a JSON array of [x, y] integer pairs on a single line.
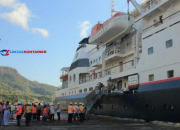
[[170, 73], [96, 60], [91, 89], [99, 58], [151, 77], [75, 92], [70, 79], [91, 62], [76, 55], [169, 43], [80, 91], [74, 78], [72, 92], [150, 50], [85, 90]]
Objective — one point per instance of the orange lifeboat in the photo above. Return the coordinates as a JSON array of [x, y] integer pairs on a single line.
[[64, 76]]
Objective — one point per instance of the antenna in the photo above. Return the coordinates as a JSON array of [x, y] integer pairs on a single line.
[[112, 7]]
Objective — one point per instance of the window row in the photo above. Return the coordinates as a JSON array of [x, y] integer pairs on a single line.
[[95, 60], [169, 44], [170, 74]]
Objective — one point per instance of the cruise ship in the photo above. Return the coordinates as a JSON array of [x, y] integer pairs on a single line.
[[129, 66]]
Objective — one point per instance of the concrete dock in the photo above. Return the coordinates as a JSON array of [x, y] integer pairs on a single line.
[[94, 123]]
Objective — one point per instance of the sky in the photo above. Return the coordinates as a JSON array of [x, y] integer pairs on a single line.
[[56, 26]]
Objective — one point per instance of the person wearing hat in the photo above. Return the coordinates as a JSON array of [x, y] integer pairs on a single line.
[[58, 110], [84, 111], [34, 111], [18, 113], [52, 112], [75, 114], [6, 109], [70, 112], [28, 111], [44, 113], [39, 108], [81, 109]]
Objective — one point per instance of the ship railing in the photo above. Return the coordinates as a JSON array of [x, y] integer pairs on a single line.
[[97, 75], [161, 21], [146, 5], [149, 4], [119, 68], [116, 50]]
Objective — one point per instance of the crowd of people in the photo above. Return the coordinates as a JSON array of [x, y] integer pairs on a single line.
[[78, 112], [31, 111]]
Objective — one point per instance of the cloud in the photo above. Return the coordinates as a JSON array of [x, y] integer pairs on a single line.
[[84, 26], [7, 2], [41, 31], [20, 14]]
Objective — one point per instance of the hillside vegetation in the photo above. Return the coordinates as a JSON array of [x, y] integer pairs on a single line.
[[15, 87]]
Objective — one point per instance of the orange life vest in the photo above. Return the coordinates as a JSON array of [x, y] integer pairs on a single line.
[[70, 109], [45, 111], [75, 109], [81, 108], [34, 110], [19, 112]]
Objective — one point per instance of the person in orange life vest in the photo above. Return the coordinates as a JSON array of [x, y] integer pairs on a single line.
[[28, 111], [81, 109], [34, 111], [18, 113], [75, 110], [70, 112], [45, 112]]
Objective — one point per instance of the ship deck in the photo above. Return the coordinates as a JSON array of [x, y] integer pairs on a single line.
[[95, 122]]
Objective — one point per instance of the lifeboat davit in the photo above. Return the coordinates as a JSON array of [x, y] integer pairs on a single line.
[[116, 27]]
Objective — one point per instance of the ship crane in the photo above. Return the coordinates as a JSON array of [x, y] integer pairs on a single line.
[[136, 5]]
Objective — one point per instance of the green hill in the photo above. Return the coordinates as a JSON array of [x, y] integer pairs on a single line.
[[15, 87]]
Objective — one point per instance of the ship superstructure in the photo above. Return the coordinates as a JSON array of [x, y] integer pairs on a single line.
[[134, 56]]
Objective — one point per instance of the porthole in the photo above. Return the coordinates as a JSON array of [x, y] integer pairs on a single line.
[[166, 107], [125, 107], [172, 107], [70, 79], [74, 78]]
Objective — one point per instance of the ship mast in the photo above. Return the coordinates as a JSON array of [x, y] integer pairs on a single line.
[[112, 7]]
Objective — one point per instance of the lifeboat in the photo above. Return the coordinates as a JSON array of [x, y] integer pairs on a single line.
[[64, 76], [116, 27]]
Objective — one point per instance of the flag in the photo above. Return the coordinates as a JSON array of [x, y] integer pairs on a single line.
[[128, 1]]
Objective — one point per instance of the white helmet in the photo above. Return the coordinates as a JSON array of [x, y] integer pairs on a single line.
[[75, 103], [19, 102], [83, 104], [58, 103], [29, 103], [70, 103], [80, 103]]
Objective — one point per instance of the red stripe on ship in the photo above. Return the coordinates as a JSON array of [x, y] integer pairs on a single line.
[[161, 81], [134, 85]]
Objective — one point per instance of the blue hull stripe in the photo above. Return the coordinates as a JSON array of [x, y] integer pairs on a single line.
[[72, 96], [159, 86]]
